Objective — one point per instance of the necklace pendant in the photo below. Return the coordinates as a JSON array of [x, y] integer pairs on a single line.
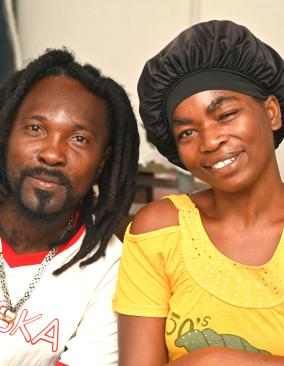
[[9, 315]]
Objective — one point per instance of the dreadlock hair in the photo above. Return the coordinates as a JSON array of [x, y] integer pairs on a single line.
[[116, 183]]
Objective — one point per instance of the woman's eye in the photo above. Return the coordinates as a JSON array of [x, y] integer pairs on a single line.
[[227, 115], [187, 133]]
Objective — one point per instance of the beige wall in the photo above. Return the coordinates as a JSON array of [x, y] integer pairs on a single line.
[[116, 35], [120, 35]]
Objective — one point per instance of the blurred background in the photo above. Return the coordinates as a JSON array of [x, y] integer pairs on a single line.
[[119, 36]]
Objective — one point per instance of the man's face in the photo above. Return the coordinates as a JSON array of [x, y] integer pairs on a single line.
[[58, 144]]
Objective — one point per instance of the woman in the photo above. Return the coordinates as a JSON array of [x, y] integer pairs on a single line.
[[201, 276]]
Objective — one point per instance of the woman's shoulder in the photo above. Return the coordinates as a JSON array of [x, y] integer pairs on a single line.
[[154, 216], [163, 213]]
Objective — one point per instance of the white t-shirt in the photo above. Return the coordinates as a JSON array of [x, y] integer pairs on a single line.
[[68, 320]]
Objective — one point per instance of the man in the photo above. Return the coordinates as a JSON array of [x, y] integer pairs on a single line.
[[63, 129]]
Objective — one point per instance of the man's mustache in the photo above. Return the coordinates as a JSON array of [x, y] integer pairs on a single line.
[[53, 175]]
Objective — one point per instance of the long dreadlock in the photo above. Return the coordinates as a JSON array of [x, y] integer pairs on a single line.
[[116, 183]]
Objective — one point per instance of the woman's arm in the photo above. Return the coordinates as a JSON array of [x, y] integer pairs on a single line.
[[141, 341], [143, 287], [220, 356]]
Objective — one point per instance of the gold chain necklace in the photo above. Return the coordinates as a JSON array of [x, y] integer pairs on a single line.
[[10, 313]]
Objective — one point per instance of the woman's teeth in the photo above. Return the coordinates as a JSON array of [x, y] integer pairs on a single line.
[[221, 164]]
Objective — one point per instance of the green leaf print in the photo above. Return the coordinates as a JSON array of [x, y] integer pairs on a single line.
[[198, 339]]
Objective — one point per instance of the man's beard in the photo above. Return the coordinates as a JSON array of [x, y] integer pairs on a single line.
[[43, 197]]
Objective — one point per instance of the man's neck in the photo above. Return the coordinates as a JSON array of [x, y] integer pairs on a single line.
[[27, 235]]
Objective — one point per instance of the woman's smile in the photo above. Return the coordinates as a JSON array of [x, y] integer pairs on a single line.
[[225, 164]]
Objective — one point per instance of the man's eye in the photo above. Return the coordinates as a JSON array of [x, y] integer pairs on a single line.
[[34, 128], [80, 138]]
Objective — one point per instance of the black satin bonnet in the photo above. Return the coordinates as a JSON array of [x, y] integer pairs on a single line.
[[209, 55]]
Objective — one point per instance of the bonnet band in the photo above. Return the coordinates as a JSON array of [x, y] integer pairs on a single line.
[[212, 79]]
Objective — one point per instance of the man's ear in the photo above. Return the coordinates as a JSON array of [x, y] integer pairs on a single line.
[[105, 158], [274, 112]]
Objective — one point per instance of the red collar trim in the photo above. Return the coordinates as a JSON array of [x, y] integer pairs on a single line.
[[27, 259]]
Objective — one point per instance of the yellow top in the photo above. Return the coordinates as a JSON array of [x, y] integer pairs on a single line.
[[207, 298]]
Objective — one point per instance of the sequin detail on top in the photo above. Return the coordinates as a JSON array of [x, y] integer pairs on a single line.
[[235, 283]]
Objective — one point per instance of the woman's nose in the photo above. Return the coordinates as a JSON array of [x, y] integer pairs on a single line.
[[211, 138]]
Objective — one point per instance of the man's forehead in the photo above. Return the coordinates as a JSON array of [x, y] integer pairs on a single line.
[[52, 88], [60, 96]]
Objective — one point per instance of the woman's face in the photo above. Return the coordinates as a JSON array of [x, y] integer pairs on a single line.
[[225, 138]]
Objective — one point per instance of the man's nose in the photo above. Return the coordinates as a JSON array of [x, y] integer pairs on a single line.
[[53, 152]]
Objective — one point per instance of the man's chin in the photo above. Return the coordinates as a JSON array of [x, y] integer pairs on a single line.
[[41, 216], [40, 206]]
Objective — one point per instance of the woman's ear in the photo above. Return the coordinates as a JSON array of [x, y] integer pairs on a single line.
[[274, 112]]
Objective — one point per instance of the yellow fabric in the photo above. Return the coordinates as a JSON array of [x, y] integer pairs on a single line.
[[207, 298]]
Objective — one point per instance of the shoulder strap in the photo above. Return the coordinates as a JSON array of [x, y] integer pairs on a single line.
[[181, 201]]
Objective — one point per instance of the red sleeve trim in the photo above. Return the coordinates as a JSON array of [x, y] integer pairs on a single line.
[[58, 363]]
